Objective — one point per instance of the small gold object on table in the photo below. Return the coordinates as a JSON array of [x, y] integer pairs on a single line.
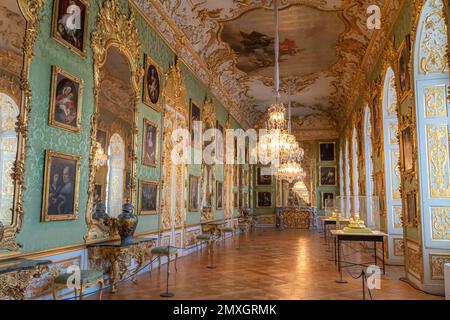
[[356, 225], [115, 258]]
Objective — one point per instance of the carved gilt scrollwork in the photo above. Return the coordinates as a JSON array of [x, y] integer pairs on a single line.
[[21, 94], [228, 179], [175, 116], [208, 176], [119, 30]]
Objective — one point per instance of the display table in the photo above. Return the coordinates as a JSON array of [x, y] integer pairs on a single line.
[[16, 276], [327, 222], [339, 236], [118, 260]]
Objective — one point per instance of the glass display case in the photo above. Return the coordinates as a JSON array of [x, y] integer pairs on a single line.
[[362, 212]]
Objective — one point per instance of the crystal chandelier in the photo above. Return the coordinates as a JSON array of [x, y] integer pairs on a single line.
[[290, 170], [100, 158], [278, 142]]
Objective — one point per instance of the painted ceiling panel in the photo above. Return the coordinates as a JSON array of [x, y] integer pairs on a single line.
[[324, 45]]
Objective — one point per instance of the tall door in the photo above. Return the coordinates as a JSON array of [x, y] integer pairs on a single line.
[[393, 223], [432, 116]]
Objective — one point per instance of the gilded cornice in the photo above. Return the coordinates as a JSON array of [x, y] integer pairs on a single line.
[[156, 16], [390, 13]]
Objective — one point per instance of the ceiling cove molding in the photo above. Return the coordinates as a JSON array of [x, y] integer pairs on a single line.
[[155, 15], [390, 14]]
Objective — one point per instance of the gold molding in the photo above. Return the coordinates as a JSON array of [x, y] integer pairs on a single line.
[[118, 30]]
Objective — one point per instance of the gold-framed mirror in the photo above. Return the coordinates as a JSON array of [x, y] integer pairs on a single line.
[[15, 58], [117, 70]]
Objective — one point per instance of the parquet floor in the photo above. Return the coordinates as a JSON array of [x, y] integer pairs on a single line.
[[271, 264]]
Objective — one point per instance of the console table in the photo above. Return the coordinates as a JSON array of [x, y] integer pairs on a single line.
[[119, 260], [16, 276], [375, 236]]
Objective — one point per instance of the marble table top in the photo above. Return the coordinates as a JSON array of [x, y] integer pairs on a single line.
[[20, 264]]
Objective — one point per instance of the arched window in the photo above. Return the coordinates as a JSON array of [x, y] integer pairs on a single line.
[[391, 158], [347, 179], [368, 161], [433, 120], [341, 177], [355, 170], [114, 180], [8, 150]]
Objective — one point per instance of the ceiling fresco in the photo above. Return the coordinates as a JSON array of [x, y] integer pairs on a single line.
[[325, 51]]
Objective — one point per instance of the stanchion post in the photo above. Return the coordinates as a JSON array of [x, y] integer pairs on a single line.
[[167, 294]]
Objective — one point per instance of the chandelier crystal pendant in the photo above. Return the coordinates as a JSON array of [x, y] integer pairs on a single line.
[[290, 171]]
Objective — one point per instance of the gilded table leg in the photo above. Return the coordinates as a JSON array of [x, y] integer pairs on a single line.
[[101, 284]]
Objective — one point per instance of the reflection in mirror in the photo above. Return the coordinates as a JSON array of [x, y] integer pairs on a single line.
[[8, 150], [114, 134], [12, 31]]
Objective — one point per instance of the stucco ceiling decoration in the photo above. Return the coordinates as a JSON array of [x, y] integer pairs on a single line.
[[325, 46]]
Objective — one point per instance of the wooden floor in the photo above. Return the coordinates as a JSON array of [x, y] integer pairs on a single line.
[[271, 264]]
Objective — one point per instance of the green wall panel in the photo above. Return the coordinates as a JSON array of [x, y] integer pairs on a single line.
[[36, 235]]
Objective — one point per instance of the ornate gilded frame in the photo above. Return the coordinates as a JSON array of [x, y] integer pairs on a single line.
[[334, 151], [148, 212], [400, 94], [193, 178], [30, 10], [51, 121], [217, 192], [257, 198], [192, 103], [61, 41], [152, 124], [49, 154], [336, 172], [145, 98], [119, 30]]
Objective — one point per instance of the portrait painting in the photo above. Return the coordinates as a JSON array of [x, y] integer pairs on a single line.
[[219, 197], [411, 209], [403, 69], [327, 199], [220, 142], [60, 194], [193, 193], [152, 84], [327, 152], [407, 149], [327, 176], [148, 197], [261, 179], [102, 138], [69, 24], [376, 116], [150, 144], [195, 115], [65, 100], [264, 199]]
